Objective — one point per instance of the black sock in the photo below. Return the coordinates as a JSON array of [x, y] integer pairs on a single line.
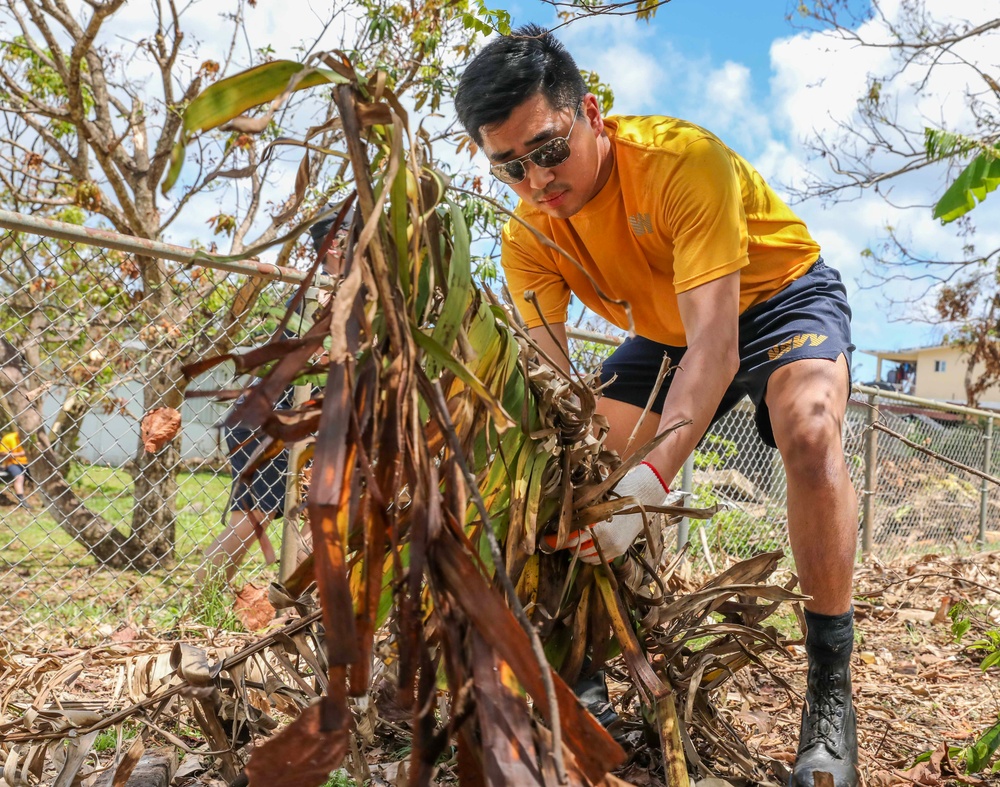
[[830, 638]]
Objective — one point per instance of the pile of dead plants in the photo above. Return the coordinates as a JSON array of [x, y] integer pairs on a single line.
[[441, 450]]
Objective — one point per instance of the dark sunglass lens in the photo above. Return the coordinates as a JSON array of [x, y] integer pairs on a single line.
[[511, 172], [552, 153]]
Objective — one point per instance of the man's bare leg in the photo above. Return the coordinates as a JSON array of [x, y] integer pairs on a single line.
[[807, 400], [230, 547]]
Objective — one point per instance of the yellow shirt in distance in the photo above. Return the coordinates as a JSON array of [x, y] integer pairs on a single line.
[[680, 209], [11, 452]]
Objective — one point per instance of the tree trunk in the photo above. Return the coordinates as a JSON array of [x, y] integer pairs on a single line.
[[154, 475], [973, 387], [102, 540], [151, 541], [154, 512], [65, 434]]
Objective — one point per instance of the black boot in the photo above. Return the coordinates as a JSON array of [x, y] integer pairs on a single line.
[[593, 693], [828, 740]]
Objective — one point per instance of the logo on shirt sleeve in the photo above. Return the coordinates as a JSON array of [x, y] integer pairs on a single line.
[[641, 224]]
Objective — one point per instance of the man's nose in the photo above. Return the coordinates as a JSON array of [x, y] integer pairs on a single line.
[[538, 177]]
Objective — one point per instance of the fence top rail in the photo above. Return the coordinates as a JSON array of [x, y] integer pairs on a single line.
[[928, 403], [18, 222], [593, 336]]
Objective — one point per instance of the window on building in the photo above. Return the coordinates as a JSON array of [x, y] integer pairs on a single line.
[[939, 366]]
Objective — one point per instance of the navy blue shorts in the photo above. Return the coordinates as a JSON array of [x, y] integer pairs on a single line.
[[810, 318], [266, 490]]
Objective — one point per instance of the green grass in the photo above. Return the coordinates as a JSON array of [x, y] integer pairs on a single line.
[[51, 582], [213, 605], [340, 778], [107, 491], [785, 622], [107, 740]]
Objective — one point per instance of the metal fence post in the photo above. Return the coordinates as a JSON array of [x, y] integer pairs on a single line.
[[684, 528], [871, 458], [984, 494]]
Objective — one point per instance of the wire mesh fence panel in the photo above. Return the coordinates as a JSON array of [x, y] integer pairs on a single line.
[[112, 535], [923, 504], [109, 533], [736, 470]]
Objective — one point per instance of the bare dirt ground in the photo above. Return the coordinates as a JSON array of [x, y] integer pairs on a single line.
[[917, 682], [917, 685]]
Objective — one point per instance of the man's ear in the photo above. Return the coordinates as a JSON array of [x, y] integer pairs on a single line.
[[592, 112]]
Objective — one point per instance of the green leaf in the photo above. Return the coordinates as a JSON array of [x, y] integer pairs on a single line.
[[953, 751], [456, 302], [176, 164], [940, 144], [231, 97], [978, 755], [989, 661], [436, 352], [399, 207], [470, 22], [976, 181]]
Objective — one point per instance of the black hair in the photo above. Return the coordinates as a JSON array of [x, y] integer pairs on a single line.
[[321, 229], [512, 69]]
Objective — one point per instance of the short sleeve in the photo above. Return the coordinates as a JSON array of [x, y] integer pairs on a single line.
[[528, 267], [704, 210]]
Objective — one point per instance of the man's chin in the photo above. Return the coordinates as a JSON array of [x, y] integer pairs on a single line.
[[560, 208]]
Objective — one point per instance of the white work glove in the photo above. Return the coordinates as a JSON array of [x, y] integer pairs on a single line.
[[616, 535]]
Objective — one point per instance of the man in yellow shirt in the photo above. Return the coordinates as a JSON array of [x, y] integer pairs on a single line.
[[15, 464], [657, 223]]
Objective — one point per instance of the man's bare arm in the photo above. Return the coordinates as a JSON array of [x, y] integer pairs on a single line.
[[710, 314], [555, 344]]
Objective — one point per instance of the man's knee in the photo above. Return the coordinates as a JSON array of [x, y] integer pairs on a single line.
[[807, 406], [622, 420], [809, 438]]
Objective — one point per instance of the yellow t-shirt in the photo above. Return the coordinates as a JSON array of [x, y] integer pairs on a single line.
[[680, 209], [11, 452]]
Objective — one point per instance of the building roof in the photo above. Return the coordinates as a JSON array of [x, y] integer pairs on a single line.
[[906, 354]]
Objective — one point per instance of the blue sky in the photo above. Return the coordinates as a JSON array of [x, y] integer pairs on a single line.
[[765, 87]]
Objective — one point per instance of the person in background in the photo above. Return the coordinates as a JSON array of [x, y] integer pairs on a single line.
[[15, 464], [722, 277], [261, 501]]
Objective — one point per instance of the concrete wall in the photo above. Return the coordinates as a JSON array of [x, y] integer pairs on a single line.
[[113, 438]]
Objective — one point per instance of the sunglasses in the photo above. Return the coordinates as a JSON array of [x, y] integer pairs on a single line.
[[549, 154]]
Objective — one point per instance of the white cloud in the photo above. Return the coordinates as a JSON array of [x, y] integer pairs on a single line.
[[729, 109], [817, 81], [649, 75], [628, 57]]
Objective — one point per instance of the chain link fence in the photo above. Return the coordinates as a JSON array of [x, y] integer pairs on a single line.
[[94, 337], [96, 329], [910, 502]]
